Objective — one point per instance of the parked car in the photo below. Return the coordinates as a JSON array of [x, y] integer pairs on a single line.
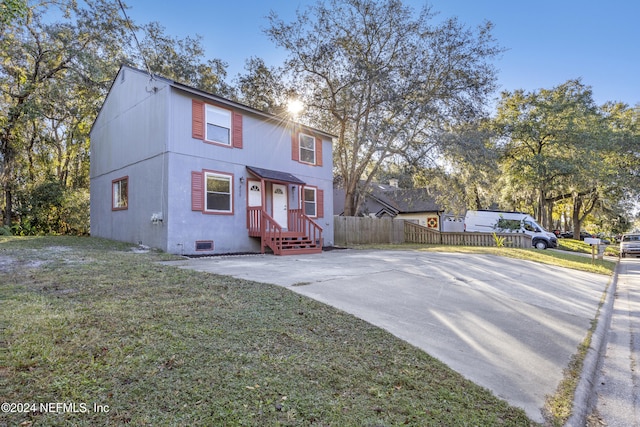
[[569, 235], [630, 244], [584, 234]]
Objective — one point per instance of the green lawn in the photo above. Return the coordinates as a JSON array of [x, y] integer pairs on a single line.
[[565, 257], [88, 322], [580, 246]]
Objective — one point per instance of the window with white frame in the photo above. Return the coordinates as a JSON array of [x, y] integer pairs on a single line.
[[307, 149], [310, 202], [219, 193], [120, 193], [218, 127]]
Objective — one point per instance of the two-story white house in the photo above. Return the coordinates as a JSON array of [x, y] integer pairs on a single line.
[[188, 172]]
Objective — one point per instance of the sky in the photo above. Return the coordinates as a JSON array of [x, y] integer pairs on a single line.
[[547, 42]]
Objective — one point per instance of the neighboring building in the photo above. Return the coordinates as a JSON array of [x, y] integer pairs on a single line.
[[415, 205], [188, 172]]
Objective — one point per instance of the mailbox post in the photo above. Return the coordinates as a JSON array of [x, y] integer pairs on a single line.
[[594, 244]]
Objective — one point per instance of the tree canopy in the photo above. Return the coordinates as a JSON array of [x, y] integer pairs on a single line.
[[11, 10], [54, 76], [384, 79], [557, 147], [404, 91], [50, 83]]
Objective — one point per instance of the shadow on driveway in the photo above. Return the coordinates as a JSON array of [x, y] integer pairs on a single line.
[[508, 325]]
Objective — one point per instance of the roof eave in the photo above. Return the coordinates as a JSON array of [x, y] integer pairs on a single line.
[[236, 105]]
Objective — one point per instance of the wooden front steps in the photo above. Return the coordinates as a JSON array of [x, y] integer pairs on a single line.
[[303, 237], [292, 243]]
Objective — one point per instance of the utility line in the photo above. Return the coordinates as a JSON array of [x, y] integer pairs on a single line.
[[130, 25]]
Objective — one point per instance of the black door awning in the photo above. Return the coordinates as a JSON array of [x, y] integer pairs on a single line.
[[276, 176]]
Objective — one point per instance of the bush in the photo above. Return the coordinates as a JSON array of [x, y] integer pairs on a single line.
[[50, 208], [75, 212], [47, 203]]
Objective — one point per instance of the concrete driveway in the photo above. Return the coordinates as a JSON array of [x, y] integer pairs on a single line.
[[508, 325]]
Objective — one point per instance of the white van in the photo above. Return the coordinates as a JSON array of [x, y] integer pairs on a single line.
[[509, 222]]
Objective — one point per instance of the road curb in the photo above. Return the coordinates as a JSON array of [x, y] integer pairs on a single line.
[[583, 398]]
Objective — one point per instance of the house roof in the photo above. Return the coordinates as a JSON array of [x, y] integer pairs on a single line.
[[224, 101], [384, 199], [400, 200], [410, 200], [272, 175], [267, 116]]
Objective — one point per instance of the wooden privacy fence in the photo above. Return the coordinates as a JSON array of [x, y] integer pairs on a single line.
[[358, 230], [414, 233], [351, 230]]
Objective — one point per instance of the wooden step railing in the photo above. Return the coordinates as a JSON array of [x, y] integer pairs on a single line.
[[260, 224], [303, 234], [299, 222]]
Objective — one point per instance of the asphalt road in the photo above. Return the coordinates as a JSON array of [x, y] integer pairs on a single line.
[[508, 325], [618, 384]]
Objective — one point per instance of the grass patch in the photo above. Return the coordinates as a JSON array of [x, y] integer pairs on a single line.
[[88, 321], [580, 246], [551, 257], [558, 407], [573, 245]]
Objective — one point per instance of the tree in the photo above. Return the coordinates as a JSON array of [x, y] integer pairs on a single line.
[[384, 80], [565, 156], [53, 80], [621, 161], [547, 142], [262, 87], [181, 60], [606, 181], [41, 57], [11, 10], [468, 169]]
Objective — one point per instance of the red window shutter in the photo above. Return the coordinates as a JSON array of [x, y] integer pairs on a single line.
[[197, 119], [236, 124], [197, 191], [320, 203], [318, 152], [295, 147]]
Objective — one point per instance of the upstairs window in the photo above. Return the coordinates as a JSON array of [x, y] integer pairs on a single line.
[[120, 193], [307, 149], [218, 125]]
